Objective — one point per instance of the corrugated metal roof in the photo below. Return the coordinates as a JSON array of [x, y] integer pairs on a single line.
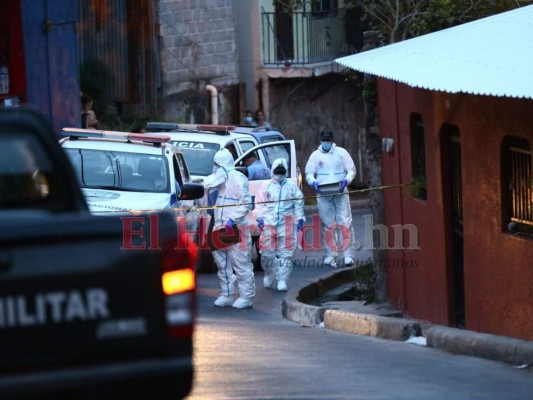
[[491, 56]]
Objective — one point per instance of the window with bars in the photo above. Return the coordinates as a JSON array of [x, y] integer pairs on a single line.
[[518, 186]]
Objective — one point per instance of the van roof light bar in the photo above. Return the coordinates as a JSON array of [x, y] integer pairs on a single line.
[[168, 126], [95, 133], [161, 126]]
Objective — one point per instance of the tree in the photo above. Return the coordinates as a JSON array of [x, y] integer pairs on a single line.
[[404, 19], [391, 21]]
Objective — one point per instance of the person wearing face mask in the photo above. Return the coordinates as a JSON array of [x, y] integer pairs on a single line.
[[248, 119], [279, 222], [234, 203], [331, 164]]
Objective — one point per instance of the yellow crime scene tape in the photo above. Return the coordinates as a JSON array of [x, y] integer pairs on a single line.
[[255, 203]]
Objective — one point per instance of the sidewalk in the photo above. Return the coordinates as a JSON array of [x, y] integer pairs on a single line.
[[308, 305]]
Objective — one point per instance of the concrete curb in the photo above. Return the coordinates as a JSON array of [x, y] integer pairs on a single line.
[[295, 305], [371, 325], [295, 308], [300, 313], [484, 345]]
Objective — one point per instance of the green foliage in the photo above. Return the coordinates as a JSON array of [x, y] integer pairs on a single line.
[[363, 288], [441, 14], [418, 187], [367, 85], [405, 19]]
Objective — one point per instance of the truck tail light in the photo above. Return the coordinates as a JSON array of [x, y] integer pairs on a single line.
[[178, 282]]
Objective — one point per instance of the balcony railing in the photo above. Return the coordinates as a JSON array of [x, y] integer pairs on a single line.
[[306, 37]]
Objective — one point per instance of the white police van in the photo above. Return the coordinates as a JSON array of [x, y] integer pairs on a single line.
[[125, 172], [199, 143]]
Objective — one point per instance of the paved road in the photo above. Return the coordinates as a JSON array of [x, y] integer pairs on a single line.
[[256, 354]]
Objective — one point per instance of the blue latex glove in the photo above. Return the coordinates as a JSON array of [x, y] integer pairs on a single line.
[[230, 223], [261, 224], [315, 186], [343, 183], [300, 224]]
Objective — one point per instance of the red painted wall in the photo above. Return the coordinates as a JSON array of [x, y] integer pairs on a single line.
[[11, 26], [497, 265]]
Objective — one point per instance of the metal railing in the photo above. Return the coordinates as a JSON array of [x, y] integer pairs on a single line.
[[304, 37]]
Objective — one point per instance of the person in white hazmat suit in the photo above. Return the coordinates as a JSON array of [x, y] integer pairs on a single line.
[[234, 262], [279, 223], [332, 164]]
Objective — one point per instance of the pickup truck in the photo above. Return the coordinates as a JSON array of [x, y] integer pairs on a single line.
[[99, 306]]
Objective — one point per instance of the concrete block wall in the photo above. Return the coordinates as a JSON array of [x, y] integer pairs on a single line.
[[197, 46]]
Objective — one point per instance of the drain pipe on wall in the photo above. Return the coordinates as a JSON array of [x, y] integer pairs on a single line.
[[214, 103]]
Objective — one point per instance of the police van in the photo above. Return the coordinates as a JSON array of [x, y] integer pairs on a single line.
[[199, 143], [124, 172]]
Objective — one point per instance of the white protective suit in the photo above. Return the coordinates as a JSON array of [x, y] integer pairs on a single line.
[[329, 167], [235, 260], [279, 236]]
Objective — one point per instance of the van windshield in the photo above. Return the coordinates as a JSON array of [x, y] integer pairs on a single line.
[[112, 170], [199, 156]]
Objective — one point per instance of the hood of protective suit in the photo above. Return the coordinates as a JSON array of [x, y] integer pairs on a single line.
[[277, 162], [224, 160]]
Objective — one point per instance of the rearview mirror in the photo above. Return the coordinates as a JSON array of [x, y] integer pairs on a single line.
[[191, 191]]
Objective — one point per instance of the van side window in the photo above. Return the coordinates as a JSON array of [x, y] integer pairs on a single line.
[[246, 145], [232, 150]]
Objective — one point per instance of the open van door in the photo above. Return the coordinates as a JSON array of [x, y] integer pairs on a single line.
[[268, 153]]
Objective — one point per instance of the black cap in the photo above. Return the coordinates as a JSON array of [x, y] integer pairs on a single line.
[[326, 135]]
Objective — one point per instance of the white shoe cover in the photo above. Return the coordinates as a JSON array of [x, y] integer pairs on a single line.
[[242, 303], [282, 286], [348, 261], [331, 262], [268, 281], [223, 301]]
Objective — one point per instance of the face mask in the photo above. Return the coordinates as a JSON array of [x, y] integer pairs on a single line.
[[215, 169], [279, 178], [248, 120], [326, 146]]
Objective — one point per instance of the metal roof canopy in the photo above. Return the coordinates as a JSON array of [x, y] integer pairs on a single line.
[[491, 56]]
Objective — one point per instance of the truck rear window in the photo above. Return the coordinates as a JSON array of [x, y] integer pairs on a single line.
[[25, 172]]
